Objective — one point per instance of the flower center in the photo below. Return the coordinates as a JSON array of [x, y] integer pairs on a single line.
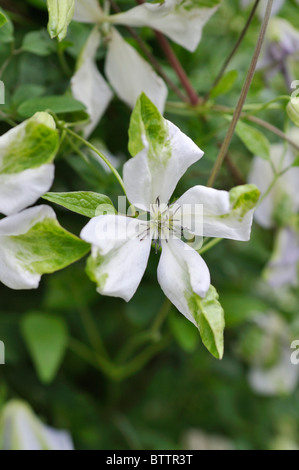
[[163, 222]]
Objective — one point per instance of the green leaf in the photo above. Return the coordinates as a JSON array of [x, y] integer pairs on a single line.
[[46, 338], [61, 13], [184, 332], [24, 92], [82, 202], [148, 124], [39, 43], [61, 104], [254, 140], [225, 84], [209, 317], [200, 4], [3, 19], [6, 29], [34, 145], [296, 161], [47, 247]]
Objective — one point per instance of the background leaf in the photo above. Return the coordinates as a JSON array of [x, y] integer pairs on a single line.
[[225, 84], [39, 43], [56, 104], [254, 140], [46, 338]]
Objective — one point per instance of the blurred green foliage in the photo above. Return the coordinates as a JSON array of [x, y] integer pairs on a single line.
[[178, 385]]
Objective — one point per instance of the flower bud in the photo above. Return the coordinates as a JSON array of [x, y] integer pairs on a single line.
[[60, 15]]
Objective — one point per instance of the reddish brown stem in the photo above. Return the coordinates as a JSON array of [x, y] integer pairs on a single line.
[[176, 65], [234, 170]]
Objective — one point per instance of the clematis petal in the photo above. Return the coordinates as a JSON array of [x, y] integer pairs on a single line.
[[262, 175], [181, 21], [20, 190], [32, 243], [224, 214], [182, 274], [21, 429], [282, 268], [26, 169], [13, 273], [89, 86], [279, 379], [164, 155], [119, 254], [88, 11], [130, 74]]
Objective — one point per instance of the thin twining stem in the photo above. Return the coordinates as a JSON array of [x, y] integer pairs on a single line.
[[244, 92], [235, 48], [260, 122], [100, 154], [271, 128]]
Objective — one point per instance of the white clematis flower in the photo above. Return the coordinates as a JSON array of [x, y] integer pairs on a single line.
[[282, 43], [21, 429], [15, 261], [128, 73], [89, 86], [26, 169], [283, 267], [197, 439], [88, 11], [121, 245], [32, 242], [180, 20], [284, 193], [280, 379], [280, 207], [280, 376]]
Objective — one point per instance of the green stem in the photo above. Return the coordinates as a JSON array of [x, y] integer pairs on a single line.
[[78, 151], [94, 149], [152, 335], [271, 128], [7, 119], [95, 360], [113, 371], [161, 317], [269, 189], [133, 345], [63, 63], [141, 360], [244, 92], [92, 331], [207, 246], [235, 48]]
